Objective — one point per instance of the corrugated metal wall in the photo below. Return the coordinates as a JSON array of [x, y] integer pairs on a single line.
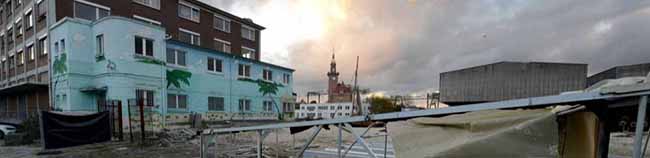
[[510, 80]]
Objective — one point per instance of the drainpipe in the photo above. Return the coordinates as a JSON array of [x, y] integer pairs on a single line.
[[230, 86], [163, 91]]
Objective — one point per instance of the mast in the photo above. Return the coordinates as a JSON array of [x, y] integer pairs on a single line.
[[356, 91]]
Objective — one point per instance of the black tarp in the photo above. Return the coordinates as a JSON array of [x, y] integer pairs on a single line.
[[61, 131]]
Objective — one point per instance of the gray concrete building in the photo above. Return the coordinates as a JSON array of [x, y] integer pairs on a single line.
[[510, 80], [639, 70]]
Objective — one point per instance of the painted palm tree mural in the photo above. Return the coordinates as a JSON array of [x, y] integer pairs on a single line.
[[174, 77], [60, 67], [59, 64], [267, 89]]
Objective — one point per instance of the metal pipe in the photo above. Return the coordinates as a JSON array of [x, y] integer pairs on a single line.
[[385, 141], [355, 141], [202, 146], [259, 143], [338, 141], [640, 121], [363, 143], [311, 138]]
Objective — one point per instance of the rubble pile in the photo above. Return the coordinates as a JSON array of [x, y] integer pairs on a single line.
[[169, 137]]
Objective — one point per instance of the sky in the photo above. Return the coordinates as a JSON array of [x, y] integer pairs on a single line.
[[403, 45]]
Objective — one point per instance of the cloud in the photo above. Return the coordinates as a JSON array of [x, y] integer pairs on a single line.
[[404, 45]]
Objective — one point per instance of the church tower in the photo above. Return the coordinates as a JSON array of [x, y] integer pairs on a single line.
[[333, 78]]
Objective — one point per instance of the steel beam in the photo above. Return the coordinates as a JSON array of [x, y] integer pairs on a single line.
[[215, 137], [640, 121], [339, 140], [260, 139], [360, 140], [203, 146], [311, 138], [508, 104], [355, 141]]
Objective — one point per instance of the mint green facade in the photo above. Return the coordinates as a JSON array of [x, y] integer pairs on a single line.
[[82, 76]]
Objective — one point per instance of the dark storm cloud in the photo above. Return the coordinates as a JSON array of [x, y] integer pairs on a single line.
[[404, 45]]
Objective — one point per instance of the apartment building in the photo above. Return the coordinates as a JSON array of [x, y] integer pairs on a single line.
[[26, 45], [327, 110]]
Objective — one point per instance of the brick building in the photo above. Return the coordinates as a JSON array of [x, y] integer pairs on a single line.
[[25, 46], [337, 91]]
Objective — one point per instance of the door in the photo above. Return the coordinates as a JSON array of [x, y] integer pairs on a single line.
[[22, 107]]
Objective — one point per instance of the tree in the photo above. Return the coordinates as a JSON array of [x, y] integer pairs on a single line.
[[382, 105]]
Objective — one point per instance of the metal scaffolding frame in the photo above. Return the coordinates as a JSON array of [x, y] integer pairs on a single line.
[[611, 97]]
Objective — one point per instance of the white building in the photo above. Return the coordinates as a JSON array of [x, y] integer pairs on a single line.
[[327, 110]]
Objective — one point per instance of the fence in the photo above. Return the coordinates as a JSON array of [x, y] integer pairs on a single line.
[[114, 108]]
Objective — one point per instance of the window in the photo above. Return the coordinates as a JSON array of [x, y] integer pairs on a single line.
[[144, 96], [214, 65], [215, 103], [175, 57], [42, 10], [221, 23], [12, 62], [100, 45], [190, 37], [176, 101], [244, 105], [286, 78], [9, 8], [19, 28], [268, 106], [30, 52], [143, 46], [267, 75], [347, 107], [62, 46], [248, 33], [248, 53], [286, 107], [244, 70], [150, 3], [29, 21], [56, 47], [20, 58], [147, 20], [188, 12], [10, 37], [222, 45], [42, 46], [90, 11]]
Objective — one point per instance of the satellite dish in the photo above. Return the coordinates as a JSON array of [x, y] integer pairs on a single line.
[[168, 36]]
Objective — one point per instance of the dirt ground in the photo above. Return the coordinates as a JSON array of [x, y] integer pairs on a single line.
[[277, 144]]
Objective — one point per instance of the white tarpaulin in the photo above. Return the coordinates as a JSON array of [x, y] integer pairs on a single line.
[[491, 133]]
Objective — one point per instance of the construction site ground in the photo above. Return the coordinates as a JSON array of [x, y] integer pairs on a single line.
[[279, 143]]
